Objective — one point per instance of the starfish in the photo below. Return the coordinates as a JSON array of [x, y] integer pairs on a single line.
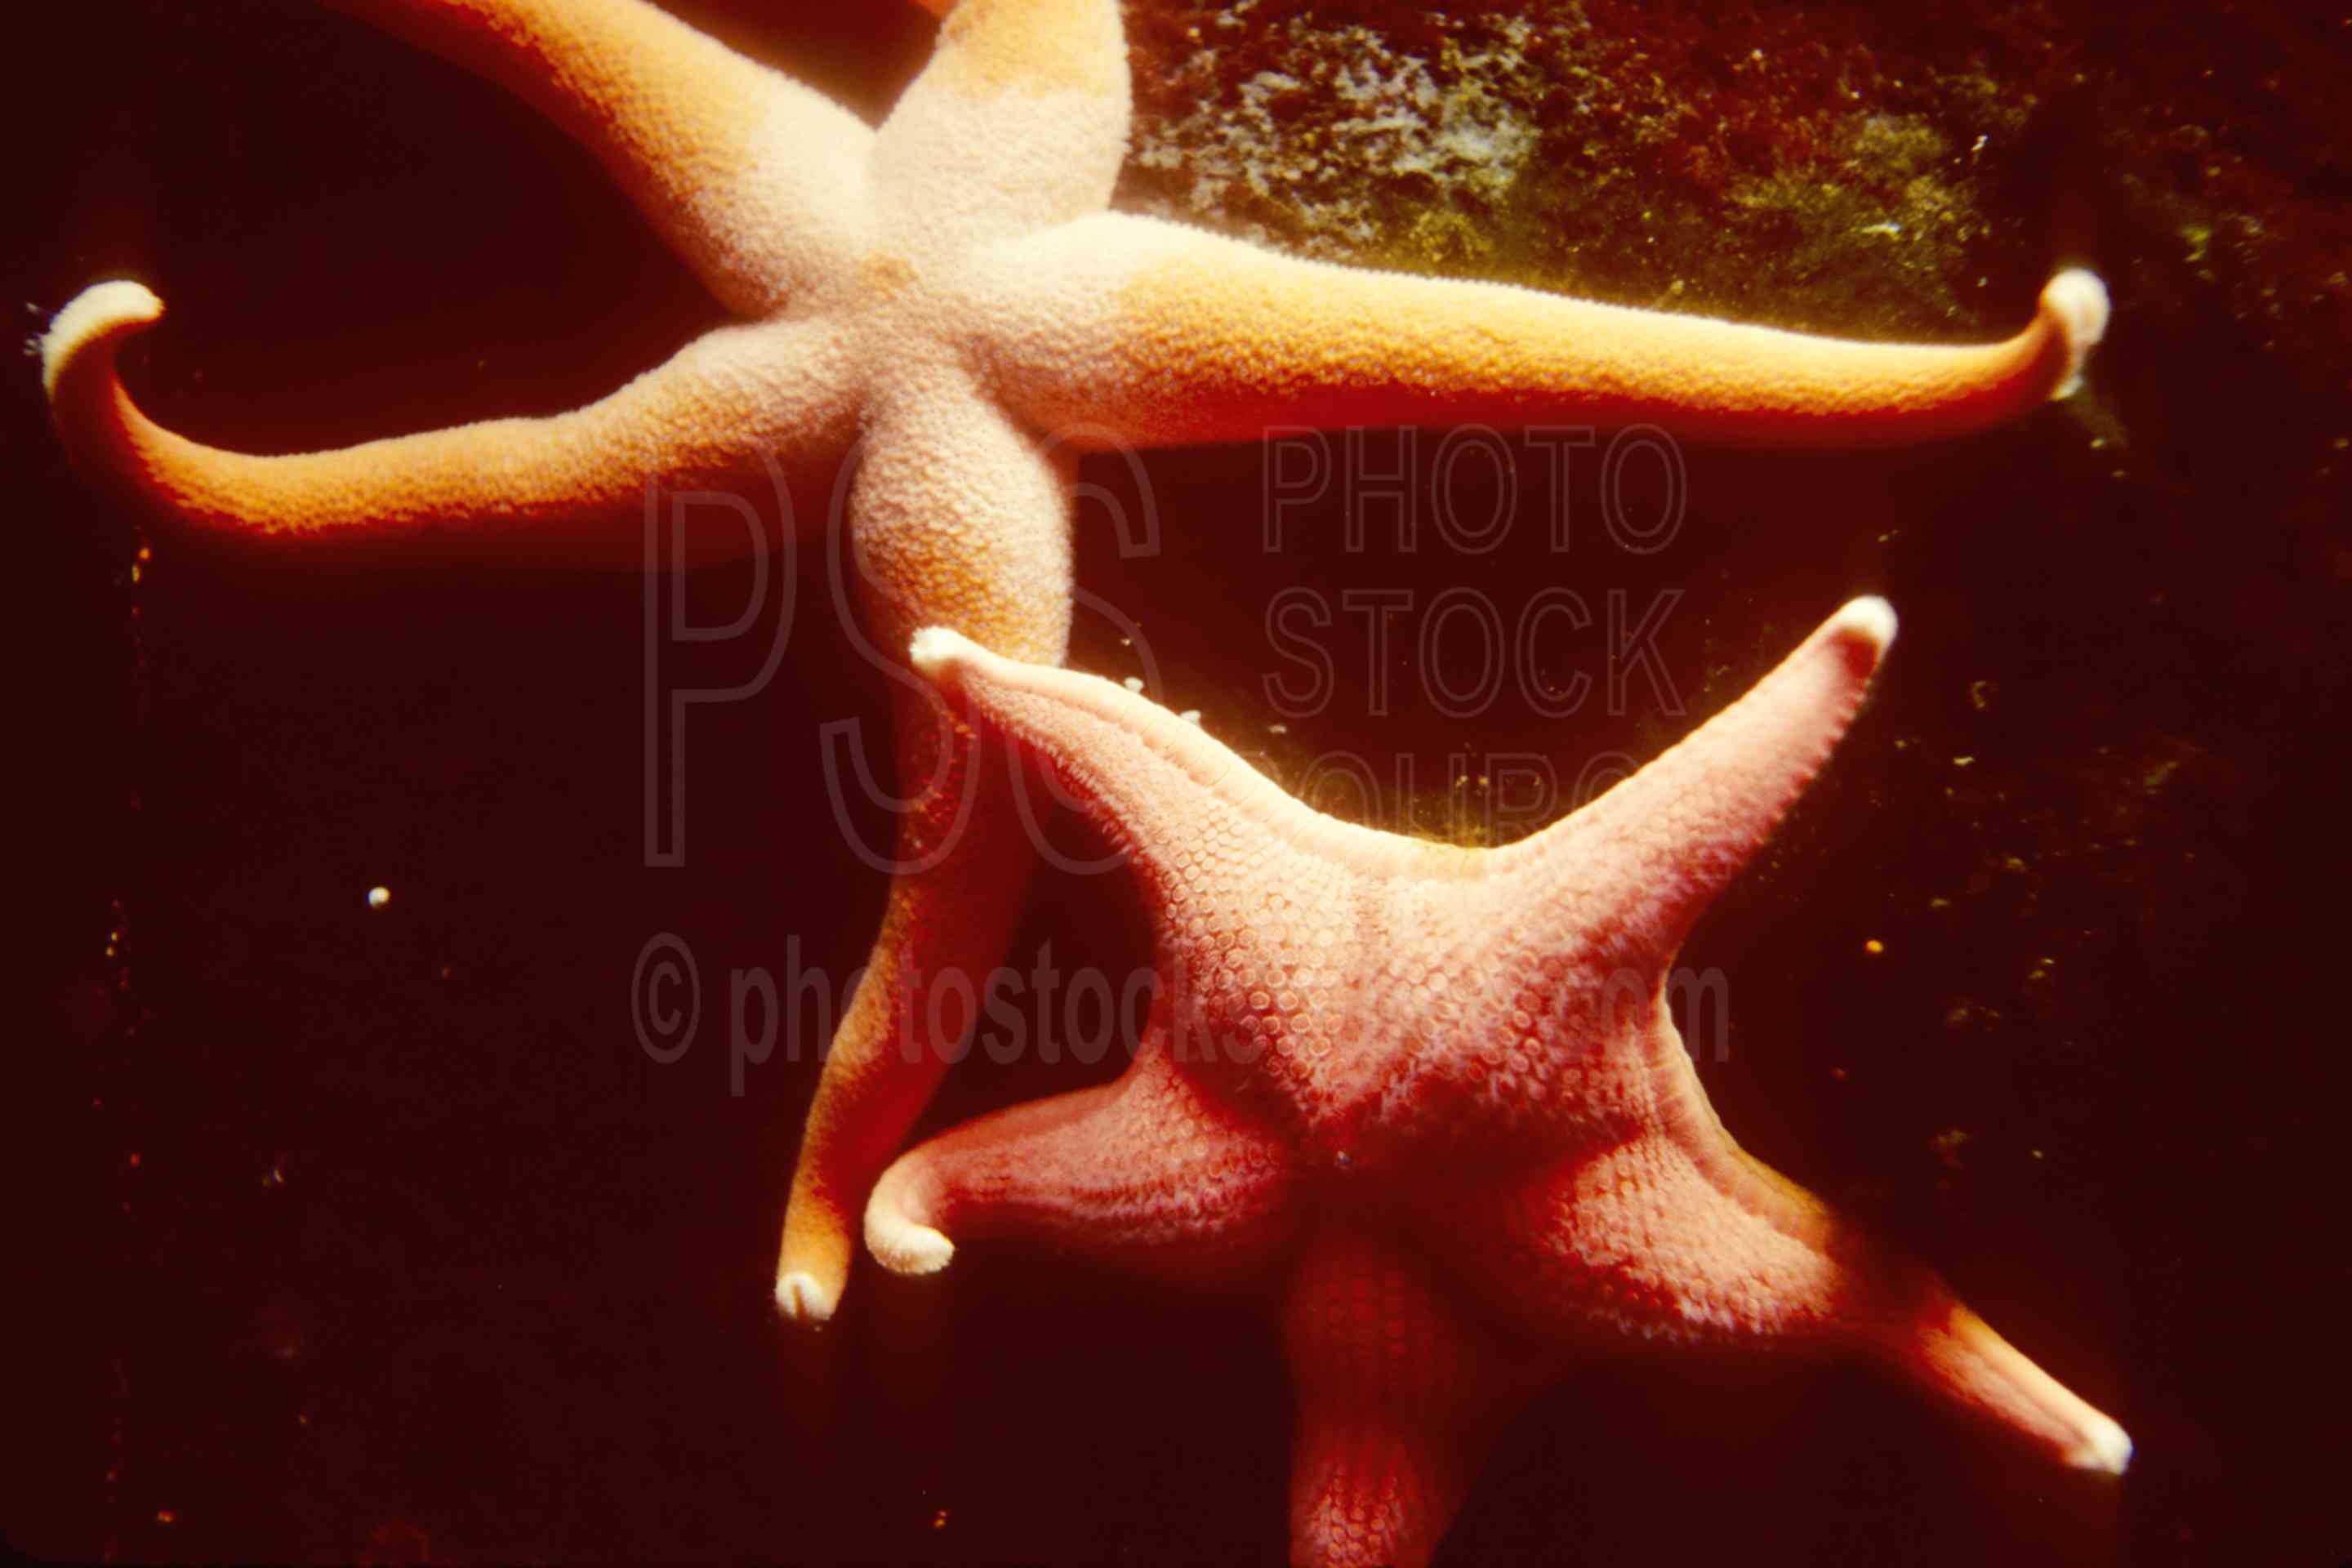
[[1435, 1098], [946, 302]]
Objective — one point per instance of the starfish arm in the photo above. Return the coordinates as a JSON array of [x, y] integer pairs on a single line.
[[568, 487], [1145, 1174], [1673, 1233], [1148, 333], [754, 180], [1645, 859], [1687, 1238], [1399, 1399], [1956, 1356], [1019, 121], [957, 517], [944, 932], [1145, 774]]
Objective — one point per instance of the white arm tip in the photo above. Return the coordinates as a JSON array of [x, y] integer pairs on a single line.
[[936, 649], [802, 1300], [2107, 1447], [901, 1246], [1869, 621], [100, 311], [2077, 301]]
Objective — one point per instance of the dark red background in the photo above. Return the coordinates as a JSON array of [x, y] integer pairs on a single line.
[[368, 1235]]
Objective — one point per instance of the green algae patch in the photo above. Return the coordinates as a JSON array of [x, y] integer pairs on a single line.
[[1745, 168]]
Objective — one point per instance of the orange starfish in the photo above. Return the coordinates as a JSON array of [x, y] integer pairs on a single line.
[[947, 298], [1435, 1093]]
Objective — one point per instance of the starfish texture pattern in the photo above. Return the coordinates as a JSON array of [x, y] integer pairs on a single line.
[[946, 301], [1435, 1095]]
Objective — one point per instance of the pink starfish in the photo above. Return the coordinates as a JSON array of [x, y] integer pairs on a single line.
[[1435, 1094]]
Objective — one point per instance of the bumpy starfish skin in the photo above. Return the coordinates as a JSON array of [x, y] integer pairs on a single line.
[[1435, 1093], [946, 299]]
